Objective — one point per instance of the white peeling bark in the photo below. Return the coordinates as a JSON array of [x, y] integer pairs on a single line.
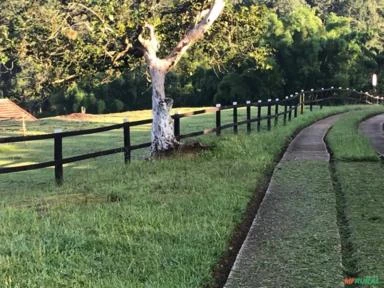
[[163, 138]]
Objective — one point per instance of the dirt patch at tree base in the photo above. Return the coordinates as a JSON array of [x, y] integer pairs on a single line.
[[190, 149], [78, 117]]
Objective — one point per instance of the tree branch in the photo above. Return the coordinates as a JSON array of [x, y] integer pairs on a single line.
[[121, 54], [180, 8], [204, 21], [7, 69], [88, 9], [151, 45], [60, 81]]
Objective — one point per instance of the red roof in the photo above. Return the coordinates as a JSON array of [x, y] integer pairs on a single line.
[[10, 110]]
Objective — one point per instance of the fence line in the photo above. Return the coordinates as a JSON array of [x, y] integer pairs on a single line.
[[291, 105]]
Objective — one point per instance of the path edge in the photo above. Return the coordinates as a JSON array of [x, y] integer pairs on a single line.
[[223, 268]]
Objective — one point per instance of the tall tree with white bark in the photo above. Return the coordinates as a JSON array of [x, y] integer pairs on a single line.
[[163, 138], [53, 43]]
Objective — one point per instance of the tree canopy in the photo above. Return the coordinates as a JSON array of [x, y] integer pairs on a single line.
[[60, 55]]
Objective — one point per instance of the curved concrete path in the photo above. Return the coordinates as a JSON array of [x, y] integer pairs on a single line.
[[373, 130], [294, 239]]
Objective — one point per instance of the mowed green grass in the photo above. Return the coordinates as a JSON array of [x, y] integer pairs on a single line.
[[362, 184], [159, 223], [39, 151], [359, 176], [346, 141]]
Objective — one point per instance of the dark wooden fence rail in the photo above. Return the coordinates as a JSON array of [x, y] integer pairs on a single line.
[[291, 105]]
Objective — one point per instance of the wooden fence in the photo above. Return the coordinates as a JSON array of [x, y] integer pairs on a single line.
[[289, 106]]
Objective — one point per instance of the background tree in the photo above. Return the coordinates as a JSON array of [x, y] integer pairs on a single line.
[[60, 55], [163, 138], [57, 42]]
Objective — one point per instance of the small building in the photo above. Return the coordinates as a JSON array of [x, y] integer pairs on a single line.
[[11, 111]]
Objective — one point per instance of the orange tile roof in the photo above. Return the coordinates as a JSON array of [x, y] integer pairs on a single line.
[[10, 110]]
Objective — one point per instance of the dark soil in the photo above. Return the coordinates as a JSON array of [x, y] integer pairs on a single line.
[[190, 149], [78, 117]]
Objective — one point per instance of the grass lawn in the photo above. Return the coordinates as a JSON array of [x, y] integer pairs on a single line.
[[39, 151], [362, 183], [149, 224], [359, 185], [345, 140]]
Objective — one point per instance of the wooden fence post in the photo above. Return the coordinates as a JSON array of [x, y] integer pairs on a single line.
[[285, 110], [322, 96], [24, 126], [310, 98], [235, 126], [269, 114], [296, 101], [127, 141], [258, 115], [302, 102], [290, 108], [218, 119], [276, 110], [248, 103], [176, 125], [58, 155]]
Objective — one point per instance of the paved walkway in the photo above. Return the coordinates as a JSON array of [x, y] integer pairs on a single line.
[[294, 239], [373, 130]]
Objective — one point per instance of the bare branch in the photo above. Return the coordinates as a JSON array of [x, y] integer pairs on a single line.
[[121, 54], [93, 12], [7, 69], [204, 21], [88, 9], [179, 8], [57, 30], [66, 79]]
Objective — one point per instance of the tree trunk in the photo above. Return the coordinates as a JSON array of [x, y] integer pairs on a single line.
[[163, 137]]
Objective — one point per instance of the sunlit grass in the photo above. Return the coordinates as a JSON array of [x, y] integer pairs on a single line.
[[360, 187], [42, 150], [347, 142], [362, 184], [148, 224], [130, 115]]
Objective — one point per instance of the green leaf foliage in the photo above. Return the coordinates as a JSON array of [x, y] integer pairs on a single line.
[[61, 55]]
